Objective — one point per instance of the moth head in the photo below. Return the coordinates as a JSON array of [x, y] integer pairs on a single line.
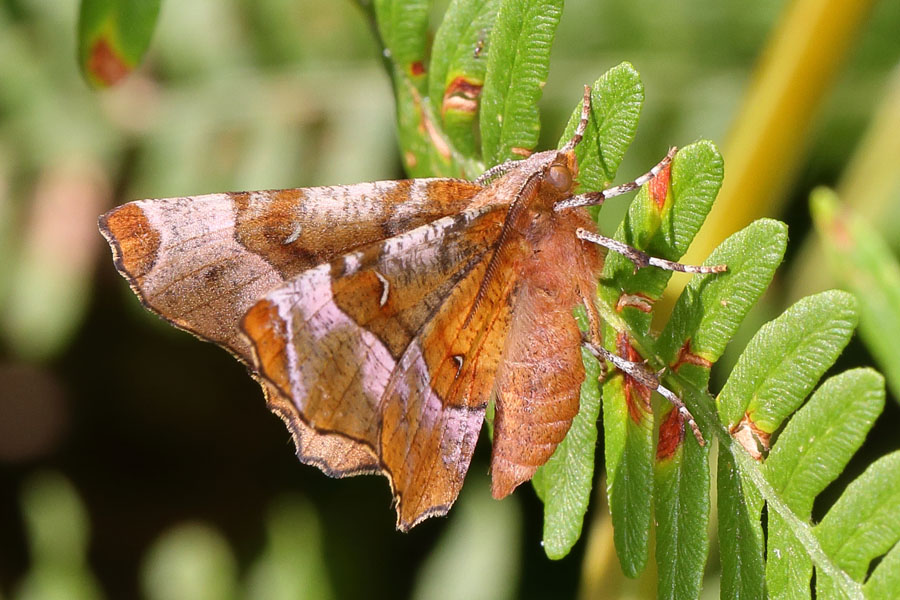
[[559, 175]]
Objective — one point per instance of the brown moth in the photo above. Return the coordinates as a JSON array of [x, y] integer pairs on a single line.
[[381, 318]]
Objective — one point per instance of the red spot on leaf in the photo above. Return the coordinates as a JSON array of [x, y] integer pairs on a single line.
[[840, 235], [637, 396], [417, 68], [105, 64], [659, 186], [685, 356], [461, 96], [671, 434], [641, 302]]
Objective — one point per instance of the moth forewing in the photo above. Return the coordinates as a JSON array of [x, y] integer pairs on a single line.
[[388, 374], [200, 262]]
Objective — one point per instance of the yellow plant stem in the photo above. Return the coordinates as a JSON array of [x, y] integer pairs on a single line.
[[768, 136], [601, 576]]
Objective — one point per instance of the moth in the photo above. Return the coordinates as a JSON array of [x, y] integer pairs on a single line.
[[382, 318]]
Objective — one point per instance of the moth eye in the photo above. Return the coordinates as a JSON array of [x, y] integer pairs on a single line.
[[560, 177]]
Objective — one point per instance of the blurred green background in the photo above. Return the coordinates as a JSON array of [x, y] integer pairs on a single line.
[[136, 461]]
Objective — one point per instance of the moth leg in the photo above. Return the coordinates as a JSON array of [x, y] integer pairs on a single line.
[[597, 198], [647, 378], [594, 334], [642, 259]]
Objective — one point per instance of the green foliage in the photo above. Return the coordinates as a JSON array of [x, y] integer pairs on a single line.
[[458, 69], [708, 313], [403, 25], [885, 580], [776, 371], [517, 68], [740, 532], [862, 525], [616, 100], [113, 36], [785, 359], [704, 319], [465, 79], [810, 453], [680, 490]]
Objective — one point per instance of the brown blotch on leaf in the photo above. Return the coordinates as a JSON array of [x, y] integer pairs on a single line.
[[425, 125], [105, 64], [523, 152], [439, 143], [659, 186], [459, 104], [461, 96], [639, 301], [637, 396], [135, 242], [671, 435], [685, 356], [754, 440]]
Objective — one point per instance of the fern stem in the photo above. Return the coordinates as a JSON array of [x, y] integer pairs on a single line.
[[801, 530], [703, 408]]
